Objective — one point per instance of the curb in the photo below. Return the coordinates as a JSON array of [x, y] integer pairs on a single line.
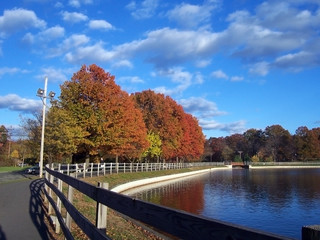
[[150, 181]]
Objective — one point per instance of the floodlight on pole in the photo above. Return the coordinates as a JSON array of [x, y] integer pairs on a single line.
[[42, 93]]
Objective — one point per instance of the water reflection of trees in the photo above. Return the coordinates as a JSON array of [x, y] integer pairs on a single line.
[[183, 195], [276, 188]]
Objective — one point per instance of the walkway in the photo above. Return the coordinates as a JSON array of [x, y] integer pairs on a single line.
[[21, 213]]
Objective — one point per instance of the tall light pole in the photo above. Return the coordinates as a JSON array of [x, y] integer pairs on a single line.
[[42, 93]]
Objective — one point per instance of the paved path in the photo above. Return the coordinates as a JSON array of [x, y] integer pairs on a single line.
[[21, 213]]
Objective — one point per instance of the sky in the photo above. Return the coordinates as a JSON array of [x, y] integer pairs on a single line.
[[235, 65]]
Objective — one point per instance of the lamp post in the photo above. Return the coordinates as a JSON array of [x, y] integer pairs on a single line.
[[42, 93]]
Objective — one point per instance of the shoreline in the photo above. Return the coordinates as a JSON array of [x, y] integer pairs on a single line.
[[293, 166], [144, 184], [129, 187]]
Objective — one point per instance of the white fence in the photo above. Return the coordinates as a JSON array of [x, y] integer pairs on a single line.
[[97, 169]]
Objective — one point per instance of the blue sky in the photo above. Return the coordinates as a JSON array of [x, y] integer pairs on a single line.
[[235, 65]]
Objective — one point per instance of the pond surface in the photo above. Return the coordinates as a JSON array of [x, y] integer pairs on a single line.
[[280, 201]]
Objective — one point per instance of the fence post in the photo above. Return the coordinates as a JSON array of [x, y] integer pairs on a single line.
[[58, 203], [70, 199], [50, 194], [104, 169], [101, 211], [91, 169], [311, 232], [110, 168], [68, 169], [84, 170], [46, 187]]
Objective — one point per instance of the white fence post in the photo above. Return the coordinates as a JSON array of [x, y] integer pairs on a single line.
[[101, 213], [50, 194], [70, 199], [58, 204]]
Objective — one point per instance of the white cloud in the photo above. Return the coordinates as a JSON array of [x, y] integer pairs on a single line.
[[72, 42], [249, 36], [131, 79], [219, 74], [205, 110], [231, 128], [73, 17], [93, 53], [296, 61], [75, 40], [122, 63], [56, 74], [78, 3], [191, 16], [183, 79], [144, 10], [7, 70], [201, 107], [52, 33], [260, 68], [19, 19], [14, 102], [236, 79], [100, 24]]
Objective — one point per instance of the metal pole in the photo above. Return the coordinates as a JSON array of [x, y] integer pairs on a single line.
[[43, 125]]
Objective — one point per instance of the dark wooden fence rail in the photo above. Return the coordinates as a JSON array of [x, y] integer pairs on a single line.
[[177, 223]]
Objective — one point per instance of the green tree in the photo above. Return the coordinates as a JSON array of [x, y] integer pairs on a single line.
[[154, 149]]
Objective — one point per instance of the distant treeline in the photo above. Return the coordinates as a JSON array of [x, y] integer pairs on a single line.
[[273, 144]]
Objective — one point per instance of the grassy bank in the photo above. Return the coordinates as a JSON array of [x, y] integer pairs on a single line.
[[117, 227]]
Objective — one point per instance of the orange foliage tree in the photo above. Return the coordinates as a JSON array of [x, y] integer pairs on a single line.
[[106, 115]]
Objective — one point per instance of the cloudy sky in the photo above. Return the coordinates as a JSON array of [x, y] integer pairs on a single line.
[[235, 64]]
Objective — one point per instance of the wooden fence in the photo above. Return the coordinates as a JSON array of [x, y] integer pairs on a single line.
[[175, 222]]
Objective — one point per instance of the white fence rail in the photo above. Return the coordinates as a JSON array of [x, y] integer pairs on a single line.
[[97, 169]]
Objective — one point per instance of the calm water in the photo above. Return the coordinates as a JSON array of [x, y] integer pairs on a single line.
[[274, 200]]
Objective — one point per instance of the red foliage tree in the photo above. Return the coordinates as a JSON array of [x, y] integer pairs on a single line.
[[180, 133]]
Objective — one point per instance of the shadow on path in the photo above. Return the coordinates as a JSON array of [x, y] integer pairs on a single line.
[[2, 235], [36, 209]]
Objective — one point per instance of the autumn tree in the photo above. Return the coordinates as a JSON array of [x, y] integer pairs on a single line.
[[307, 143], [255, 140], [4, 141], [192, 146], [302, 143], [105, 115], [32, 129], [236, 143], [63, 134], [217, 145], [278, 143], [315, 143], [179, 132]]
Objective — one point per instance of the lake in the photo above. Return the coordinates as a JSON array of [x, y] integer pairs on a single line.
[[279, 201]]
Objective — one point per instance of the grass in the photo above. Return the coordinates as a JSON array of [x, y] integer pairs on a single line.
[[117, 226], [11, 169]]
